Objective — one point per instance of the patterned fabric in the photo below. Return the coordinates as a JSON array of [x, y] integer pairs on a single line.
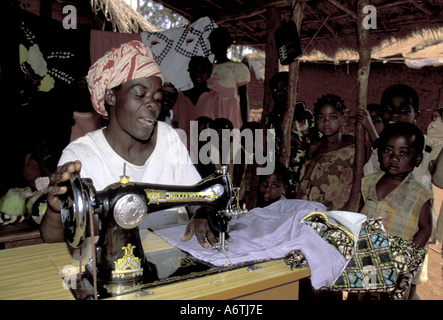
[[328, 178], [174, 47], [400, 209], [132, 60], [296, 259], [6, 219], [334, 234], [381, 263]]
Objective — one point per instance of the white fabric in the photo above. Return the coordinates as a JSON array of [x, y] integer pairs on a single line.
[[173, 48], [169, 163], [350, 220], [272, 232]]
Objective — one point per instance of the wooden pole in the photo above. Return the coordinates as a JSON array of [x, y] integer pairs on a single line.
[[285, 150], [271, 58], [271, 68], [364, 51]]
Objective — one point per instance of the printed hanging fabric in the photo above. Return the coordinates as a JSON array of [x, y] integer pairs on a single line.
[[173, 48], [50, 60], [50, 56]]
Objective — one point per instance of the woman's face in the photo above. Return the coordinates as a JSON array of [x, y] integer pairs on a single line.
[[136, 106], [329, 120]]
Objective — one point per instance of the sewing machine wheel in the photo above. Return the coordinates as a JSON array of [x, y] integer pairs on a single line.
[[74, 210]]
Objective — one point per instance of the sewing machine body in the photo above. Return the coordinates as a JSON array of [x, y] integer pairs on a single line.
[[120, 265]]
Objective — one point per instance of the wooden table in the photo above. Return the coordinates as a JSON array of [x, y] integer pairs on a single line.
[[17, 235], [34, 272]]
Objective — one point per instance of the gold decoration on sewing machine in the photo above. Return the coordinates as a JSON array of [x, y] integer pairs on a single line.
[[161, 196], [129, 266]]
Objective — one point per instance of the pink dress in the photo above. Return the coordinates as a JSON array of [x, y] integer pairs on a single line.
[[226, 78], [208, 104]]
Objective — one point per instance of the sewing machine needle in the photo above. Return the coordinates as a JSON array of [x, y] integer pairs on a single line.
[[222, 245]]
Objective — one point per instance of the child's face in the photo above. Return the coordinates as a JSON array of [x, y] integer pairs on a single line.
[[199, 75], [329, 120], [169, 98], [301, 126], [271, 188], [399, 109], [399, 156], [280, 92], [376, 121]]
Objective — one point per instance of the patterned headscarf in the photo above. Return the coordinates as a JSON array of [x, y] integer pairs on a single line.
[[131, 61]]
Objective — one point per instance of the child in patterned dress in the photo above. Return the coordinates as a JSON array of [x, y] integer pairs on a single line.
[[327, 174]]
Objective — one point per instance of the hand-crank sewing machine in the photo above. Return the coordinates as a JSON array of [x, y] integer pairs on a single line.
[[118, 263]]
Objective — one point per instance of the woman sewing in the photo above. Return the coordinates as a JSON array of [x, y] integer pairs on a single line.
[[125, 86]]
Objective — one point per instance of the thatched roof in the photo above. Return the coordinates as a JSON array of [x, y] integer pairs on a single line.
[[109, 15], [421, 48], [123, 17], [328, 25]]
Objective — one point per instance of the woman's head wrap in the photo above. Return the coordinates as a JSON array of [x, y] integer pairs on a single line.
[[131, 61]]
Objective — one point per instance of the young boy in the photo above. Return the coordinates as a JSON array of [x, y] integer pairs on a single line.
[[393, 194], [197, 101], [273, 187], [399, 103]]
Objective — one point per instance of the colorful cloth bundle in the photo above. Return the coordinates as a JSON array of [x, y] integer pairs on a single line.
[[381, 263]]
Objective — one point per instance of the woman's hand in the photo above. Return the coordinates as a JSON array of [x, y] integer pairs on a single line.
[[51, 228], [61, 174], [201, 229]]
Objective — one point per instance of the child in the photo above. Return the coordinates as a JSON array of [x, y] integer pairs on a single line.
[[249, 148], [169, 97], [374, 110], [327, 174], [394, 194], [400, 103], [303, 130], [197, 101], [205, 170], [272, 187], [220, 154], [229, 78], [302, 134]]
